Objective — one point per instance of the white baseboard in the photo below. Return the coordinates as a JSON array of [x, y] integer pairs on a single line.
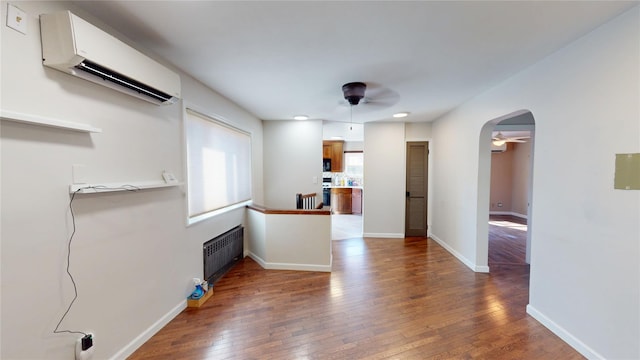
[[149, 332], [563, 334], [384, 235], [258, 259], [471, 265], [298, 267], [290, 266], [481, 269], [522, 216]]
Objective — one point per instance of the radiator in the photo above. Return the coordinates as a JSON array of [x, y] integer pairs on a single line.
[[221, 253]]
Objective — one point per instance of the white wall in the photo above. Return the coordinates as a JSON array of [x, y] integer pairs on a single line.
[[290, 241], [521, 172], [353, 146], [332, 130], [292, 161], [418, 131], [132, 256], [585, 274], [384, 180]]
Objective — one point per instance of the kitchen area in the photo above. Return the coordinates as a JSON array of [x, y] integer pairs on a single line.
[[342, 186]]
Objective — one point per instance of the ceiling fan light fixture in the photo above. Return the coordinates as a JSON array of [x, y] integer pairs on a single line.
[[354, 92], [499, 142]]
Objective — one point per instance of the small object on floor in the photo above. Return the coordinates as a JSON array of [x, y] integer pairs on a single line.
[[197, 293], [199, 290], [196, 303]]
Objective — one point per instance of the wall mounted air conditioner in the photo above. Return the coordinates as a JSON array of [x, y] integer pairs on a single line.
[[501, 148], [74, 46]]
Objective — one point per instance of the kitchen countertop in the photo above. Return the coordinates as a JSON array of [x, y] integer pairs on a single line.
[[345, 187]]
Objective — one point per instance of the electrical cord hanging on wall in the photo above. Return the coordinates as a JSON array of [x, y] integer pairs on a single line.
[[73, 232], [75, 287]]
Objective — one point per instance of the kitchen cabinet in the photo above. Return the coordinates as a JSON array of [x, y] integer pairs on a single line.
[[333, 149], [341, 200], [327, 151], [356, 201]]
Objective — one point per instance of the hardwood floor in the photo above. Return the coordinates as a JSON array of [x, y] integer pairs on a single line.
[[507, 240], [385, 299]]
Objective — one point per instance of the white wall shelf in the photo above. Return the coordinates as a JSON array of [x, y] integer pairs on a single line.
[[113, 187], [45, 121]]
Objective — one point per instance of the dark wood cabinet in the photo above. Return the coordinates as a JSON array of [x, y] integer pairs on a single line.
[[341, 200], [333, 149]]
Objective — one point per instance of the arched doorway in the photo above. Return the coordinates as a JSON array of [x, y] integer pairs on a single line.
[[517, 121]]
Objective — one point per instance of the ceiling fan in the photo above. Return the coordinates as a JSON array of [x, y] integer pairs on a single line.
[[499, 139], [376, 95], [368, 97]]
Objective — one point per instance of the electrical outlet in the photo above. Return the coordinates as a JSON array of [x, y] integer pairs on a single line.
[[499, 204], [169, 178], [85, 347], [16, 19]]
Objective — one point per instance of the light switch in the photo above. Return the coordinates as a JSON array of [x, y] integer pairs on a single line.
[[16, 19]]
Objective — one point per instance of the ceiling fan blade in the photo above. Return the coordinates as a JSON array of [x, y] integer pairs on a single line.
[[515, 140], [379, 96], [377, 103], [378, 93]]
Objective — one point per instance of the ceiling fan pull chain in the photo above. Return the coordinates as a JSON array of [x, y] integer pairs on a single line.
[[351, 116]]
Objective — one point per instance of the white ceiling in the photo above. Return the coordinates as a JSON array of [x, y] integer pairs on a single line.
[[281, 58]]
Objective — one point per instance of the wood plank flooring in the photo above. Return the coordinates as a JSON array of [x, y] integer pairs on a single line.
[[507, 240], [386, 299]]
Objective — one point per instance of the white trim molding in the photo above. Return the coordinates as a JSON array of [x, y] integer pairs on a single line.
[[471, 265], [522, 216], [289, 266], [384, 235], [131, 347], [563, 334], [258, 259]]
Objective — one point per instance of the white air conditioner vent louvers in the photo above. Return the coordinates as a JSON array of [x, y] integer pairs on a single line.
[[74, 46]]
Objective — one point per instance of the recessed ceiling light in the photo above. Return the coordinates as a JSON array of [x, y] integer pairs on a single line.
[[301, 117], [400, 114]]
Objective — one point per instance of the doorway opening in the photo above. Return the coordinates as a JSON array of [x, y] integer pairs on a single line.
[[509, 189], [346, 226], [346, 197], [505, 190]]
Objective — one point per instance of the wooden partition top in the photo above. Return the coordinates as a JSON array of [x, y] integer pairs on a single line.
[[265, 210]]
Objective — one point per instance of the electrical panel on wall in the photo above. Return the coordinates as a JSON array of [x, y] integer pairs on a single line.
[[627, 176]]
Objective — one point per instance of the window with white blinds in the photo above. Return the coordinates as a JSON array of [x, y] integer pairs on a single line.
[[218, 166]]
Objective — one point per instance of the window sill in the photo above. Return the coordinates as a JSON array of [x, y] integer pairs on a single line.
[[198, 218]]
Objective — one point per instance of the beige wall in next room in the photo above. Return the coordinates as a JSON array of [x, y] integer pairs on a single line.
[[509, 179]]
